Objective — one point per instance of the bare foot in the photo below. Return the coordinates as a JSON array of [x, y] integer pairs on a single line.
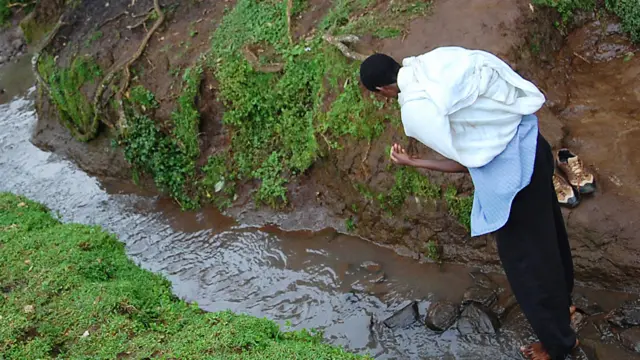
[[536, 351]]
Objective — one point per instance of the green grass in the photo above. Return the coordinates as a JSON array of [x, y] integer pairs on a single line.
[[459, 207], [567, 8], [70, 292], [186, 118], [75, 109], [432, 251], [276, 119], [408, 182]]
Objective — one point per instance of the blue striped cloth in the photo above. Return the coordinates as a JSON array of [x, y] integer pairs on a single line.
[[497, 183]]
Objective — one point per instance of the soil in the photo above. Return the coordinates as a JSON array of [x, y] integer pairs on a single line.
[[589, 77]]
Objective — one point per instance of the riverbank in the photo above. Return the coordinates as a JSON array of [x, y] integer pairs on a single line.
[[247, 106], [70, 291]]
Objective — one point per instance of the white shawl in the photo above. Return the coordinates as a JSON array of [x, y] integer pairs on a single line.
[[464, 104]]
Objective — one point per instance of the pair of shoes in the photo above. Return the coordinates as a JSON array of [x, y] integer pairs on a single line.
[[579, 180]]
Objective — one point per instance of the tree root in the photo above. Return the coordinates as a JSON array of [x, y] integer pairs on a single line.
[[125, 68], [255, 62], [339, 42], [289, 11]]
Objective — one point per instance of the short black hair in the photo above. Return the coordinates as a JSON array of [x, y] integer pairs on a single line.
[[379, 70]]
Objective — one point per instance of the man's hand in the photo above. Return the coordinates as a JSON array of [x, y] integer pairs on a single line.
[[400, 156]]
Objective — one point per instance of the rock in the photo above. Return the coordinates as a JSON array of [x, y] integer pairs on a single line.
[[17, 44], [371, 266], [626, 316], [3, 59], [28, 309], [483, 280], [477, 320], [480, 295], [441, 315], [403, 317], [586, 306], [630, 338], [505, 303]]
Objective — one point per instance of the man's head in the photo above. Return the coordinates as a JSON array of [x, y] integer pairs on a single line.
[[379, 73]]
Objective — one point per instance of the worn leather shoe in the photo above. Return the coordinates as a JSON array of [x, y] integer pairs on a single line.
[[578, 176], [566, 195]]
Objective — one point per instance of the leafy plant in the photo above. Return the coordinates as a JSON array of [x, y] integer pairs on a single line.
[[350, 224], [218, 183], [154, 153], [141, 96], [408, 182], [75, 110], [186, 118], [432, 251], [459, 207], [629, 12]]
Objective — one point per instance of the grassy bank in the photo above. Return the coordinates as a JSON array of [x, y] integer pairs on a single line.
[[69, 291]]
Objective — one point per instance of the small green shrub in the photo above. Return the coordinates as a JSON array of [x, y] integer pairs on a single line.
[[350, 224], [432, 251], [629, 12], [459, 207], [76, 111], [139, 95], [152, 152], [218, 182], [186, 118]]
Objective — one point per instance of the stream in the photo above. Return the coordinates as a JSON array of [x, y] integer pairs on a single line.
[[342, 285]]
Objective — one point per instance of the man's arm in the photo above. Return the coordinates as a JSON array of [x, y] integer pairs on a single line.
[[400, 157], [448, 166]]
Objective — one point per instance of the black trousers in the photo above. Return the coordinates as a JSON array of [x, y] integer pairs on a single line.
[[536, 256]]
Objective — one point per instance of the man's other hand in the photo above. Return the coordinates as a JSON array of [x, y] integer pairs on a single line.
[[399, 156]]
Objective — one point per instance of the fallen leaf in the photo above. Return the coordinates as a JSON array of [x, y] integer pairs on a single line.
[[22, 204], [29, 309]]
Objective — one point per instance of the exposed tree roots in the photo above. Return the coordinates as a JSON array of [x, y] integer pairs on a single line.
[[341, 41]]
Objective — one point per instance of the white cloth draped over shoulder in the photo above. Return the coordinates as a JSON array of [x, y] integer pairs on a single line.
[[464, 104]]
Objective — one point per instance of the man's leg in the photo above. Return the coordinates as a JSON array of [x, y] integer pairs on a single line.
[[531, 257], [564, 246]]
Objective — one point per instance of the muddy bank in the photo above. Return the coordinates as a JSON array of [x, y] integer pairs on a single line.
[[588, 76]]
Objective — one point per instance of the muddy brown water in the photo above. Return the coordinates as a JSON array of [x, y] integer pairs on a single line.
[[306, 279]]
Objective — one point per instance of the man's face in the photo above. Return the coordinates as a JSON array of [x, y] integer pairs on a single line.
[[390, 91]]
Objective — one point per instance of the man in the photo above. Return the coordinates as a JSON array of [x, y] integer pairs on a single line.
[[473, 109]]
